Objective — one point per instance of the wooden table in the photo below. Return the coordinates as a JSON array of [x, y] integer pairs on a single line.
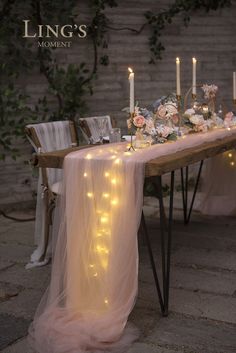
[[155, 167], [154, 170]]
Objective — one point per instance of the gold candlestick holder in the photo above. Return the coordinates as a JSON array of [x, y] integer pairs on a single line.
[[178, 97], [131, 147]]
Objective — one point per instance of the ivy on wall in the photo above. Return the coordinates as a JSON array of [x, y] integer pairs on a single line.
[[68, 85]]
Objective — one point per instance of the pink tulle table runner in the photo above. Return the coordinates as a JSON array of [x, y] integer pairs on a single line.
[[95, 266]]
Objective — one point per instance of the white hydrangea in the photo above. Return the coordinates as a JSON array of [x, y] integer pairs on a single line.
[[197, 119]]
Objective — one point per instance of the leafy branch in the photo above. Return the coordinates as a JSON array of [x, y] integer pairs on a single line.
[[159, 21]]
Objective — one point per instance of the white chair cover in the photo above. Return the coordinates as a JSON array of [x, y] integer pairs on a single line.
[[94, 127], [52, 136]]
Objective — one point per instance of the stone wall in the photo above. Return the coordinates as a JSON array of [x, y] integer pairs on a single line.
[[209, 37]]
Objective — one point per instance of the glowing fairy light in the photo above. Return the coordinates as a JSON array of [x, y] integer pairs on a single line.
[[107, 175], [89, 156], [117, 161], [91, 266], [90, 194], [114, 181], [106, 195], [102, 249], [114, 202], [104, 219], [85, 175], [106, 301], [232, 163], [230, 155], [95, 274], [113, 157]]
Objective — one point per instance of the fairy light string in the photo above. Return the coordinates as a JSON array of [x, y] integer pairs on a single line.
[[107, 202], [231, 157]]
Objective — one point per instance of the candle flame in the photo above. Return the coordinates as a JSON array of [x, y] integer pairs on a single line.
[[177, 60], [130, 70], [194, 60]]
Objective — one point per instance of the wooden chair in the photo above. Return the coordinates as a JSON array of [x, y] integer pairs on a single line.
[[91, 127], [46, 137]]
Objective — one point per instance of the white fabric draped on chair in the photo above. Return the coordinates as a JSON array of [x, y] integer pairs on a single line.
[[52, 136], [96, 125]]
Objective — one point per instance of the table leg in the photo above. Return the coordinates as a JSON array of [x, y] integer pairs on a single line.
[[165, 237], [184, 186]]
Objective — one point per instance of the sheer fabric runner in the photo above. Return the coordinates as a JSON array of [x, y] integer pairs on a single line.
[[218, 197], [95, 267]]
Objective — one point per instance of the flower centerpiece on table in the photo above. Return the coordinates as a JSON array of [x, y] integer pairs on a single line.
[[210, 92], [166, 110], [229, 120], [148, 128], [194, 120]]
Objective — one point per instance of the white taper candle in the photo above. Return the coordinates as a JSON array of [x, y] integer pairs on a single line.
[[178, 89], [131, 95], [194, 89], [234, 85]]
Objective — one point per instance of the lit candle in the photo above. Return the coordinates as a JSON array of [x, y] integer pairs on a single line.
[[178, 90], [194, 90], [131, 95], [234, 85]]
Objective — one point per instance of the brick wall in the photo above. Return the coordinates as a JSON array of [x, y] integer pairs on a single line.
[[209, 37]]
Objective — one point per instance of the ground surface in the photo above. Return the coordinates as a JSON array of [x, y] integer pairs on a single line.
[[202, 315]]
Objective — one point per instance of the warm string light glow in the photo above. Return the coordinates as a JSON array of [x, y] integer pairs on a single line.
[[231, 156], [106, 202]]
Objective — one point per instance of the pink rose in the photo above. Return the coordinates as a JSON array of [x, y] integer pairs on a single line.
[[201, 128], [228, 119], [164, 131], [139, 121], [229, 116], [175, 118], [161, 111]]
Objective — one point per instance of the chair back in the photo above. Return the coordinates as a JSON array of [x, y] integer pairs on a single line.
[[52, 136], [93, 127]]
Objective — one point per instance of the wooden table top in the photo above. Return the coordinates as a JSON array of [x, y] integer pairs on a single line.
[[158, 166]]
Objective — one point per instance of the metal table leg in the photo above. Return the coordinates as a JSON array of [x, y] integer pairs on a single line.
[[165, 237], [184, 186]]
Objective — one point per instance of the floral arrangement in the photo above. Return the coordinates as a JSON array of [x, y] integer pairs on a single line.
[[196, 122], [159, 123], [229, 120], [166, 109], [209, 91], [146, 125]]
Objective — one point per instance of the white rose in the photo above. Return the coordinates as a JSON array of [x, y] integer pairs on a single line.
[[171, 108], [197, 119]]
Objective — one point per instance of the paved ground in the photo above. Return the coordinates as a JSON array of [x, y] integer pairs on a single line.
[[203, 289]]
